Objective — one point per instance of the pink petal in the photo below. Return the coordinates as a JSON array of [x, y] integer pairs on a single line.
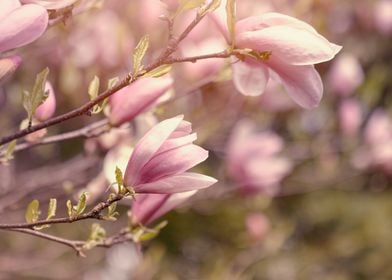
[[136, 98], [250, 78], [289, 44], [271, 19], [46, 109], [149, 207], [148, 146], [173, 143], [183, 182], [7, 6], [302, 83], [50, 4], [172, 162], [22, 26], [8, 65]]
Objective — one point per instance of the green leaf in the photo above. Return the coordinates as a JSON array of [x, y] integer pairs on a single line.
[[112, 213], [231, 15], [119, 179], [97, 234], [93, 88], [211, 7], [152, 233], [52, 208], [32, 100], [185, 5], [32, 212], [112, 82], [139, 53], [159, 71], [70, 208], [81, 206], [8, 155]]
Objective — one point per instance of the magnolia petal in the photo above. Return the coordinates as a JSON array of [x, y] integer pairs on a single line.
[[50, 4], [183, 182], [302, 83], [250, 78], [149, 207], [8, 65], [148, 145], [172, 162], [136, 98], [7, 6], [271, 19], [292, 45], [22, 26], [46, 109], [177, 142]]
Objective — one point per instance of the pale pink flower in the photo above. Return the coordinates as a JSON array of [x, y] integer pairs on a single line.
[[46, 109], [350, 116], [8, 66], [293, 47], [136, 98], [160, 159], [376, 151], [203, 68], [149, 207], [253, 159], [383, 16], [50, 4], [274, 99], [20, 25], [346, 74], [257, 226]]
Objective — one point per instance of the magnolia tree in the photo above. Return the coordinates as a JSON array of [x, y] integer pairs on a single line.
[[132, 95]]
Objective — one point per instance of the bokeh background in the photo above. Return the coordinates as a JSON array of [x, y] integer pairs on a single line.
[[322, 207]]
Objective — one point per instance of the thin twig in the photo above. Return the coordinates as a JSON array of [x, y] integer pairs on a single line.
[[94, 213], [88, 131]]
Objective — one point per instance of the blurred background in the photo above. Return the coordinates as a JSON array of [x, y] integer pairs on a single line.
[[302, 194]]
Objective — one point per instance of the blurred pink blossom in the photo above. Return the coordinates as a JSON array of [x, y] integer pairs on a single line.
[[257, 226], [383, 16], [350, 116], [376, 151], [137, 98], [346, 74], [253, 160], [203, 68], [51, 4], [8, 65], [291, 49], [275, 99], [20, 25], [46, 109], [149, 207], [161, 157]]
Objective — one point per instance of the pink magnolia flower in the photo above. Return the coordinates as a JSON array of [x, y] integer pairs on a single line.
[[46, 109], [383, 16], [149, 207], [160, 159], [257, 226], [137, 98], [253, 160], [350, 116], [291, 49], [346, 74], [50, 4], [376, 151], [8, 65], [20, 25]]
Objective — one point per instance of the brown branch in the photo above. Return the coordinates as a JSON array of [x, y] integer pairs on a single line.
[[94, 213]]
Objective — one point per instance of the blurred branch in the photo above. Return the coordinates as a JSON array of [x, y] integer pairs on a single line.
[[88, 131], [78, 245]]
